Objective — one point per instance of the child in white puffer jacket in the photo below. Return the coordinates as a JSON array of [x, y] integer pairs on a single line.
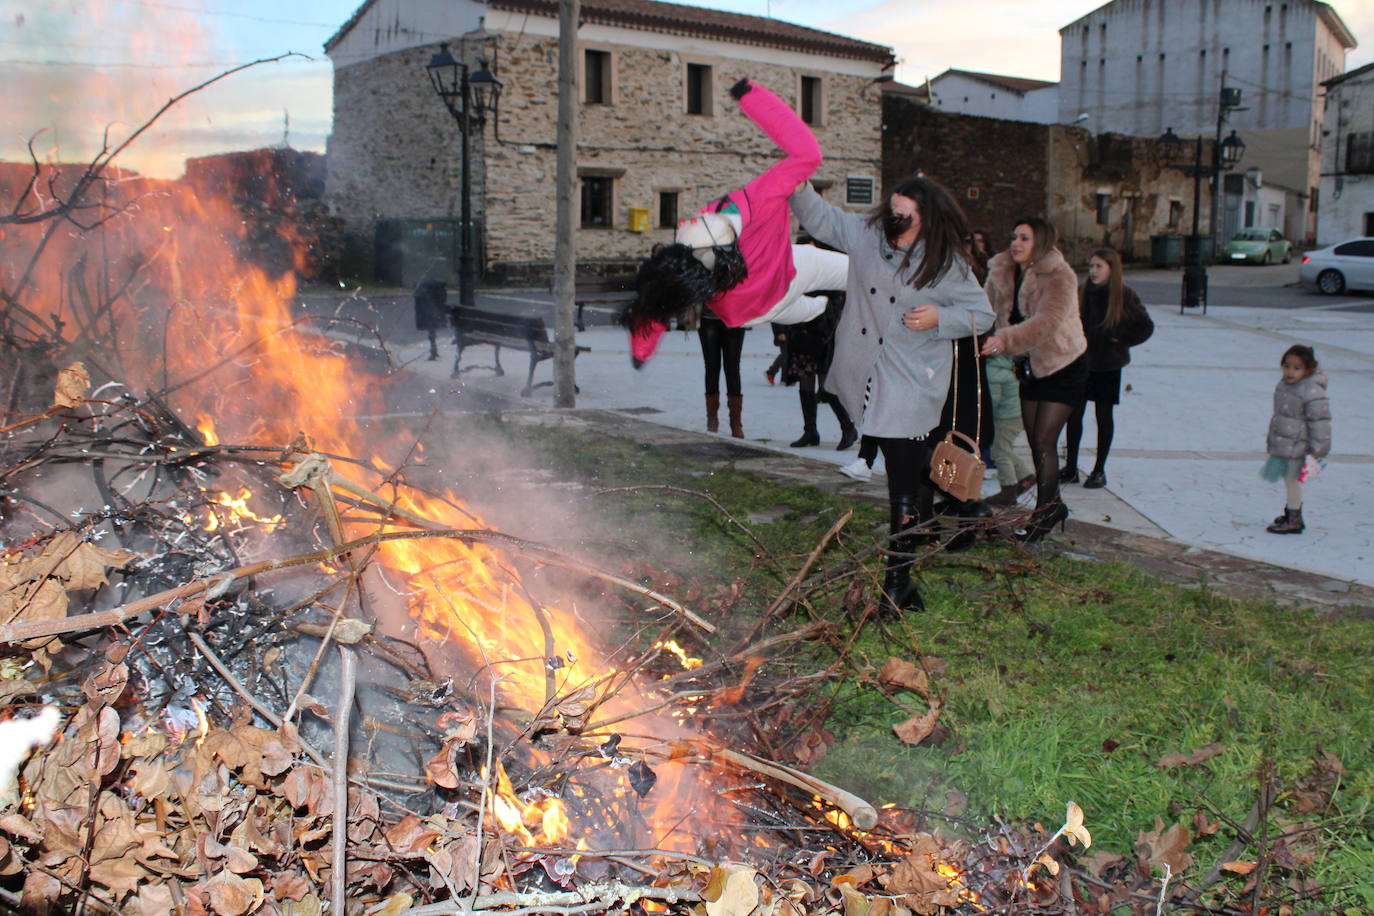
[[1300, 427]]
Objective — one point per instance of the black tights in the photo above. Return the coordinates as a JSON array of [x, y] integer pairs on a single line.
[[1043, 421], [721, 343], [908, 475], [1106, 428]]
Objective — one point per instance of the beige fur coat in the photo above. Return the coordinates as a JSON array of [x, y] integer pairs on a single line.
[[1052, 332]]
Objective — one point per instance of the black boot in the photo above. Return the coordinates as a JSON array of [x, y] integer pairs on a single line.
[[970, 514], [809, 434], [848, 434], [1291, 523], [899, 593]]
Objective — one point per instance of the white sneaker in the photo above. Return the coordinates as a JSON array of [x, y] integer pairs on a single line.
[[858, 469]]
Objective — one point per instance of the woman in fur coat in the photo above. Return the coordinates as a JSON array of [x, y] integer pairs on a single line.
[[1035, 295]]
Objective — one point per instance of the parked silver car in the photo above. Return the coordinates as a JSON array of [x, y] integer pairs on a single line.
[[1337, 268]]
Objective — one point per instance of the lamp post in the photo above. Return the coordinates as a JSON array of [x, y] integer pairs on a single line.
[[1226, 155], [468, 97]]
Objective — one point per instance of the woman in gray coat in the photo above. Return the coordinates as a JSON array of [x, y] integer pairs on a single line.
[[910, 291]]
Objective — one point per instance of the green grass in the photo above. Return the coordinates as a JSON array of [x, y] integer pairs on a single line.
[[1066, 679]]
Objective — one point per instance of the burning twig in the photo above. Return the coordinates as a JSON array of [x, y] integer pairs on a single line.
[[861, 813]]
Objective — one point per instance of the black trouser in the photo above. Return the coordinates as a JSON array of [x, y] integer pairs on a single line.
[[1106, 428], [908, 475], [721, 344]]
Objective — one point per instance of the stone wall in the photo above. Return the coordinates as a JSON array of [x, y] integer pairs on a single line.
[[1000, 170], [394, 150], [647, 143]]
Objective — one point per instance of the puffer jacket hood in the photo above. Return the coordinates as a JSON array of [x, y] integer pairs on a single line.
[[1301, 424]]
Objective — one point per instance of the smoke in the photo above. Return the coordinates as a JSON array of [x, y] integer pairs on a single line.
[[76, 72]]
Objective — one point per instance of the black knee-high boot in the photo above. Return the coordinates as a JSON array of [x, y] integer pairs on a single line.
[[899, 593], [809, 434], [848, 434]]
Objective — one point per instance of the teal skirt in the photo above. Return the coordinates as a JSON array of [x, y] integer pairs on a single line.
[[1276, 469]]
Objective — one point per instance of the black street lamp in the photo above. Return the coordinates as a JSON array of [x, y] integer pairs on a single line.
[[1226, 155], [468, 97]]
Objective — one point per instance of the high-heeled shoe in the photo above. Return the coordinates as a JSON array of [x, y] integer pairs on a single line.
[[1042, 522]]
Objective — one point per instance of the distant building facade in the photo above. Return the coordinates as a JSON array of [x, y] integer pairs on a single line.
[[1347, 179], [1098, 190], [1139, 67], [659, 134], [991, 95]]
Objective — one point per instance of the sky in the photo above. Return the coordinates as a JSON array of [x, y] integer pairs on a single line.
[[74, 71]]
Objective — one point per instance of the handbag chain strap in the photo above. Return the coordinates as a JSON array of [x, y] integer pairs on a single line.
[[978, 431]]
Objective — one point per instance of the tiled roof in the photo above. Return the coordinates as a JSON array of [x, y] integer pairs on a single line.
[[894, 88], [1013, 83], [1349, 74], [680, 19]]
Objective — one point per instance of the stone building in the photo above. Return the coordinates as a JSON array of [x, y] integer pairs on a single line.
[[1108, 189], [1138, 67], [659, 134], [1347, 179], [991, 95]]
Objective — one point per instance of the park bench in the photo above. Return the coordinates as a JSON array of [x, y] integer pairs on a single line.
[[473, 326], [612, 292]]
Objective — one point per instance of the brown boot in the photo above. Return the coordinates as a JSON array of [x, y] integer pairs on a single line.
[[735, 403], [712, 407]]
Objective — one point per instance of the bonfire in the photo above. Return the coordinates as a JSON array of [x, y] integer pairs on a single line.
[[258, 662]]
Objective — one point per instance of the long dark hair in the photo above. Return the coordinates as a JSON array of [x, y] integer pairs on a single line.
[[943, 229], [1116, 295], [672, 281]]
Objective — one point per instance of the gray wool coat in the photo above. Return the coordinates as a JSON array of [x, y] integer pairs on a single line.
[[894, 378], [1301, 424]]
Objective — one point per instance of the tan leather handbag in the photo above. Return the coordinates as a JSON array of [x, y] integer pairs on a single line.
[[955, 469]]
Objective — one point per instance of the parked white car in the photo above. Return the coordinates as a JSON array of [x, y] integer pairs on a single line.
[[1337, 268]]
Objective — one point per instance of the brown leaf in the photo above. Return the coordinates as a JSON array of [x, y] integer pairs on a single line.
[[409, 836], [1203, 827], [574, 708], [289, 885], [22, 827], [1312, 791], [85, 566], [1240, 868], [72, 383], [148, 744], [1160, 847], [918, 728], [231, 895], [738, 896], [440, 768], [898, 673], [106, 683], [1175, 759], [102, 737], [151, 900], [394, 905], [914, 875]]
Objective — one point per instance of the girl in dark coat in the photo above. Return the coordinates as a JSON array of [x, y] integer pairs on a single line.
[[1114, 321]]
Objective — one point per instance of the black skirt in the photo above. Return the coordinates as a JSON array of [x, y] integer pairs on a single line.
[[1063, 387], [1104, 387]]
